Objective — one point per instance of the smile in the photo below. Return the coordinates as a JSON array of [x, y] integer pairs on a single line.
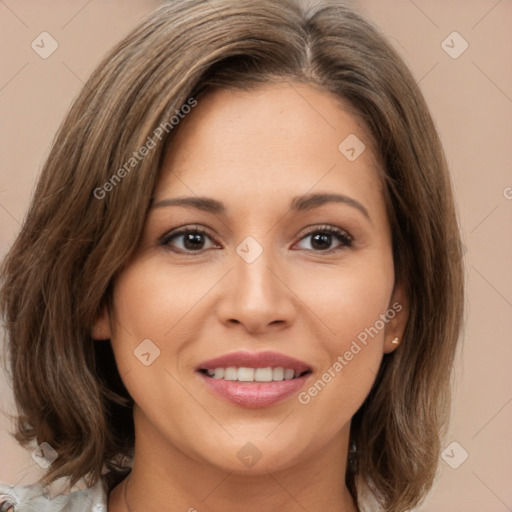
[[254, 379], [244, 374]]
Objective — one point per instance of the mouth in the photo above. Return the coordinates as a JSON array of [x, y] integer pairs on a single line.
[[247, 374], [254, 379]]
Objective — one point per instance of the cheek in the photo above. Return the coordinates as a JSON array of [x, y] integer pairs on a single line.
[[154, 301], [349, 299], [350, 302], [157, 310]]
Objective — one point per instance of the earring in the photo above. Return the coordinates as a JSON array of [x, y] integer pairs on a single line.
[[395, 341]]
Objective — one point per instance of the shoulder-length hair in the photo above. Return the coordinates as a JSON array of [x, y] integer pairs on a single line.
[[87, 216]]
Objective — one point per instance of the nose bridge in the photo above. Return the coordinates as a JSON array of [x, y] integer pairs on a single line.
[[254, 295], [254, 280]]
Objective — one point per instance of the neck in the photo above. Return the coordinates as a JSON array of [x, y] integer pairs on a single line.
[[165, 478]]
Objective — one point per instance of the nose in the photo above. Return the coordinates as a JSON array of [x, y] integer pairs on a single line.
[[257, 296]]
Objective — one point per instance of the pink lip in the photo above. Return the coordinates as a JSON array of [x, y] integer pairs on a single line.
[[254, 394], [255, 360]]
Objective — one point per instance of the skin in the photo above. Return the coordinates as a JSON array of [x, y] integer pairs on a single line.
[[253, 151]]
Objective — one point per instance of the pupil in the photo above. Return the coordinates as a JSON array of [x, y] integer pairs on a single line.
[[321, 238], [193, 241]]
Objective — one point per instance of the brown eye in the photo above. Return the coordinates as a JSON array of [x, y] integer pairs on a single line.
[[322, 238], [188, 241]]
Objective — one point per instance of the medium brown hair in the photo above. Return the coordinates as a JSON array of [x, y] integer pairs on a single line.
[[58, 275]]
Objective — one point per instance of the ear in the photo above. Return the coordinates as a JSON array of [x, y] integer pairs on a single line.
[[101, 329], [398, 314]]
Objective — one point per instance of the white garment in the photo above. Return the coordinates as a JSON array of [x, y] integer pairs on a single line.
[[366, 499], [36, 498]]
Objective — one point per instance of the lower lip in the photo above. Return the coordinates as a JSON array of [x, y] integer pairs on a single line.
[[254, 394]]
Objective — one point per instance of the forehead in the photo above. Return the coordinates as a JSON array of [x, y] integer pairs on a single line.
[[270, 143]]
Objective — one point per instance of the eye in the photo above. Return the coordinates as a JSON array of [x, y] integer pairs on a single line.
[[188, 240], [322, 238]]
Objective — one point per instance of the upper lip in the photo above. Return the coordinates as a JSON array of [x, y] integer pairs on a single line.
[[255, 360]]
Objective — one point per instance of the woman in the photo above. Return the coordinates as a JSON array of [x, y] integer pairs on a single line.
[[236, 284]]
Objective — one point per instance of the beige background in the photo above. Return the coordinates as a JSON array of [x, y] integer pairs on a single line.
[[471, 100]]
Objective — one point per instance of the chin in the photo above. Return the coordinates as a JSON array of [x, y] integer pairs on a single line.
[[257, 457]]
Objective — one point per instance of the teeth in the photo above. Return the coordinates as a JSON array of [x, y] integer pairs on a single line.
[[278, 373], [230, 373], [263, 375], [244, 374], [288, 374]]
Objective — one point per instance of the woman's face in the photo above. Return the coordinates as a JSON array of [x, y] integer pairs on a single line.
[[279, 244]]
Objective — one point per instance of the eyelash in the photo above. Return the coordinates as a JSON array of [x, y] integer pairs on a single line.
[[342, 236]]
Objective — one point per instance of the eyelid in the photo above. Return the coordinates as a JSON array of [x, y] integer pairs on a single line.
[[180, 231], [309, 230], [328, 228], [333, 231]]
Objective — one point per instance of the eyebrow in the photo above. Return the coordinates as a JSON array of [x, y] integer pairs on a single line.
[[298, 204]]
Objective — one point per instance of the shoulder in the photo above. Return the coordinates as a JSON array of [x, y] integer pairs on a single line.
[[38, 498]]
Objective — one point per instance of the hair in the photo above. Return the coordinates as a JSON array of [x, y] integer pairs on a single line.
[[76, 237]]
